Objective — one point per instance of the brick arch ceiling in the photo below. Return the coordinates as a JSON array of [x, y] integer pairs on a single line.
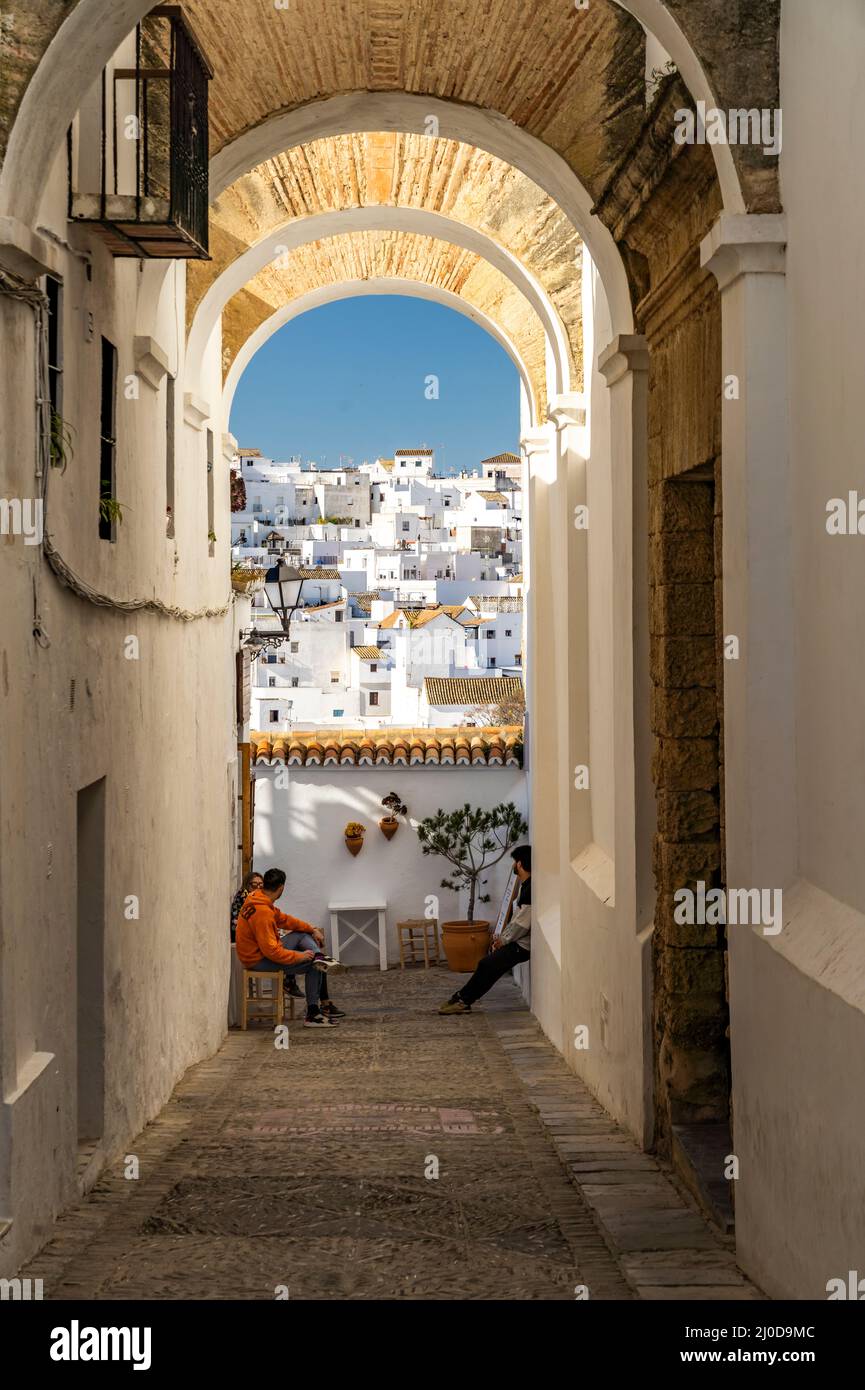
[[572, 78], [377, 255], [409, 171]]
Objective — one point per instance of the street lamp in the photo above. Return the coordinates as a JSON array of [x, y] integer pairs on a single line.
[[283, 585]]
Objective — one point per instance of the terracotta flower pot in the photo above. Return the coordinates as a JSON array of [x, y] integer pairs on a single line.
[[465, 943], [354, 843], [388, 826]]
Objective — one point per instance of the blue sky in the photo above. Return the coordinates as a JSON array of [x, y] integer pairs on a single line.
[[350, 378]]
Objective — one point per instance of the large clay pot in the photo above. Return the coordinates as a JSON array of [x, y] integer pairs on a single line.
[[388, 826], [354, 843], [465, 943]]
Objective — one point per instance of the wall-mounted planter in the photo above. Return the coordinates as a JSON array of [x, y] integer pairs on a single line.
[[354, 843], [388, 826]]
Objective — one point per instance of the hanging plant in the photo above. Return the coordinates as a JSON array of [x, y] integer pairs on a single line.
[[111, 511], [61, 448], [354, 833], [389, 824]]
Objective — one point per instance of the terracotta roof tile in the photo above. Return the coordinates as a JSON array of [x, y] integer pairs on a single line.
[[370, 653], [498, 603], [318, 573], [502, 458], [492, 747], [471, 690]]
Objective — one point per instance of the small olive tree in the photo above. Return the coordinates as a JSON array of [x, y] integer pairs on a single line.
[[472, 842]]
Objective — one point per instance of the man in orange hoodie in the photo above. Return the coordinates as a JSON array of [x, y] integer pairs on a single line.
[[260, 947]]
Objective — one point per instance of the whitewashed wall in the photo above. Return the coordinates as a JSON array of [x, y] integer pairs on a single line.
[[299, 828], [797, 1000]]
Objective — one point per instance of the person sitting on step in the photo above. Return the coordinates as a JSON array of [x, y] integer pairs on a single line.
[[260, 947], [510, 948]]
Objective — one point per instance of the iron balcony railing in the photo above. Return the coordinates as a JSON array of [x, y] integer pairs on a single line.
[[139, 148]]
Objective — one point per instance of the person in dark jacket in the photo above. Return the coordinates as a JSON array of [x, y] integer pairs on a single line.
[[510, 948]]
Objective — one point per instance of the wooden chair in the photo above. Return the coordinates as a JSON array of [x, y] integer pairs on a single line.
[[407, 932], [254, 997]]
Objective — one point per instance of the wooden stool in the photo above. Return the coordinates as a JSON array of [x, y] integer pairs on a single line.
[[429, 943], [254, 998]]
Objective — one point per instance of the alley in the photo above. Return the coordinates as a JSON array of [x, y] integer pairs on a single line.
[[405, 1155]]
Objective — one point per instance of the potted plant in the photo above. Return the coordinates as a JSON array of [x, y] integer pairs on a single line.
[[472, 841], [389, 824], [354, 833]]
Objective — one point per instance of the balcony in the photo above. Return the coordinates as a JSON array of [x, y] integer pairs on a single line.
[[139, 148]]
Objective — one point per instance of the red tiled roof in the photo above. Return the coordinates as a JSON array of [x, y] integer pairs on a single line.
[[489, 747], [470, 690]]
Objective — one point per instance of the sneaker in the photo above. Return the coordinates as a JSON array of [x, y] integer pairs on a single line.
[[293, 991], [454, 1006], [319, 1021], [329, 1009], [325, 963]]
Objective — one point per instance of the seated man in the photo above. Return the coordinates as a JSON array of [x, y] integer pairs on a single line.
[[509, 949], [259, 946]]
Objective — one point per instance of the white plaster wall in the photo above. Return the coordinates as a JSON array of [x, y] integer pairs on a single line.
[[798, 1000], [597, 949], [159, 729], [299, 827]]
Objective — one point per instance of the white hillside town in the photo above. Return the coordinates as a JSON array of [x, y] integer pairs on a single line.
[[411, 606]]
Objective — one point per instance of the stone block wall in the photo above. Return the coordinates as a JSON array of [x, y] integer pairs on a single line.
[[690, 1008]]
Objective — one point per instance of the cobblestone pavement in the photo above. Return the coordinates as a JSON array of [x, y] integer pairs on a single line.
[[308, 1172]]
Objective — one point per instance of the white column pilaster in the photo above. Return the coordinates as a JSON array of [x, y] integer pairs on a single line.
[[746, 254], [568, 552], [624, 364]]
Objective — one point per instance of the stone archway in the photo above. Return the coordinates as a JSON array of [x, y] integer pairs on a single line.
[[612, 168], [314, 299]]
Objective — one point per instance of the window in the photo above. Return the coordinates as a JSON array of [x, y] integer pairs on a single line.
[[295, 682], [373, 699], [492, 661], [447, 501], [518, 659], [274, 716], [271, 658], [373, 665], [357, 523], [405, 526], [402, 465], [338, 713], [271, 680], [508, 632], [338, 616], [295, 647], [54, 291], [107, 437], [381, 497], [490, 634], [170, 422], [334, 677]]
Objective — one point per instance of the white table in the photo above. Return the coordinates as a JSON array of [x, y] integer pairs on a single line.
[[375, 911]]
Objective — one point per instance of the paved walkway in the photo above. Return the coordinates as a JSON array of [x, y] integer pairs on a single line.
[[403, 1155]]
